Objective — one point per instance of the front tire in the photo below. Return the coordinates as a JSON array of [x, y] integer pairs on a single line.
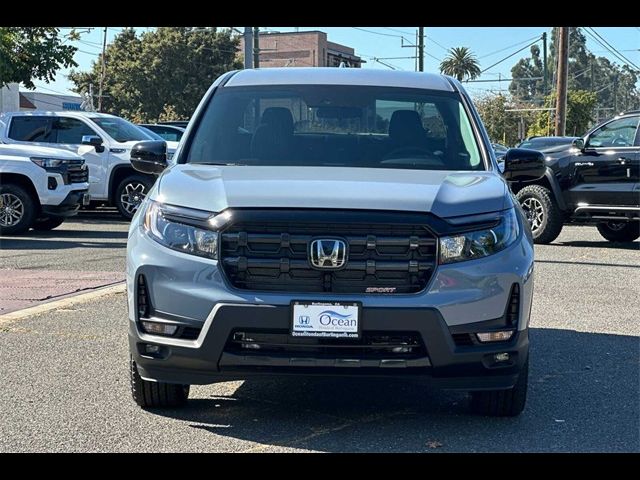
[[130, 193], [48, 223], [17, 209], [542, 212], [156, 394], [503, 403], [619, 231]]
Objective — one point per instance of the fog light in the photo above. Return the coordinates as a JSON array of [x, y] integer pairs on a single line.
[[501, 357], [156, 328], [152, 349], [401, 349], [52, 183], [501, 336]]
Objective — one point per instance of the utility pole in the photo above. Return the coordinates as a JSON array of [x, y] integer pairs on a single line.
[[248, 47], [563, 77], [256, 47], [421, 49], [104, 66], [545, 74], [615, 94]]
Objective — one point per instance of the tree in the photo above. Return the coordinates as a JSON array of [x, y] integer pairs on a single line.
[[161, 74], [532, 67], [460, 63], [502, 126], [30, 53], [581, 106], [615, 86]]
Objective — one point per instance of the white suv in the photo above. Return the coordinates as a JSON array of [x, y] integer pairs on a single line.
[[104, 141], [39, 187]]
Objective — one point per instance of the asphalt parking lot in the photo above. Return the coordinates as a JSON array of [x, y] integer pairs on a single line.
[[65, 384]]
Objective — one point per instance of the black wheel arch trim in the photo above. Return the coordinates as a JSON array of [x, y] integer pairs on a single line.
[[112, 176]]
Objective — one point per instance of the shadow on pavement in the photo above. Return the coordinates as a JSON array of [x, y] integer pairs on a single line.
[[596, 264], [599, 244], [583, 396]]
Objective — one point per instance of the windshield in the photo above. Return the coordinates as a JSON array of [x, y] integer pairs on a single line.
[[121, 130], [336, 125]]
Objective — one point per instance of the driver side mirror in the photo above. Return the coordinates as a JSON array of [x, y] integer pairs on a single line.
[[521, 165], [579, 143], [149, 157], [94, 141]]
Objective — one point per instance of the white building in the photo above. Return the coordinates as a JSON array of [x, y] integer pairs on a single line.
[[13, 100]]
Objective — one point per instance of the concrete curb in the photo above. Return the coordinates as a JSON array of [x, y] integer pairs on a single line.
[[63, 302]]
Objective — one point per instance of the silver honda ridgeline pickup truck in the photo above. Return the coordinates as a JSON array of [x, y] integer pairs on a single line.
[[332, 221]]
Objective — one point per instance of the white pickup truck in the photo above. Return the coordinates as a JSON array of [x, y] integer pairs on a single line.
[[103, 140], [39, 187]]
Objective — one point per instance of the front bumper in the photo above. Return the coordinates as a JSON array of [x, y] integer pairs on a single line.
[[69, 206], [208, 359]]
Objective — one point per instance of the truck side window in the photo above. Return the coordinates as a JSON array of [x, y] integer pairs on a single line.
[[618, 133], [31, 129], [70, 130]]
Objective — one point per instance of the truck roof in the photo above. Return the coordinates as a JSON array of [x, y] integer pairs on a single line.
[[65, 113], [339, 76]]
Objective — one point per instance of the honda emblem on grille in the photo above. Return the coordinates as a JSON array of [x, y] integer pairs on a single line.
[[328, 253]]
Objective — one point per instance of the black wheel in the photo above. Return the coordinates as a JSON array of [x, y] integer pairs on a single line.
[[502, 403], [619, 231], [17, 209], [542, 211], [130, 193], [48, 223], [156, 394]]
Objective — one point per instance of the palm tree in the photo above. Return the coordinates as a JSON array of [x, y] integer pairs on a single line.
[[460, 63]]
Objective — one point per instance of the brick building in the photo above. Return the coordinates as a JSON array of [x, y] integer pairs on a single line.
[[303, 49]]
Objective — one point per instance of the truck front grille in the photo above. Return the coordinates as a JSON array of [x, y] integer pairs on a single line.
[[384, 257], [77, 174]]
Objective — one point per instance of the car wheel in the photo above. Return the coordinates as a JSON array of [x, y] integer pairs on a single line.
[[130, 193], [48, 223], [619, 231], [503, 403], [156, 394], [17, 209], [544, 216]]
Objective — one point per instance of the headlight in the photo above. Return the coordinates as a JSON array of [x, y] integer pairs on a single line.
[[481, 243], [173, 227], [53, 162]]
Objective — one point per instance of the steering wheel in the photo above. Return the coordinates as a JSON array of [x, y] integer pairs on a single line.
[[620, 142]]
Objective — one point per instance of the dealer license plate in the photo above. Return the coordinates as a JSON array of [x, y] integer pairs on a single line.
[[325, 319]]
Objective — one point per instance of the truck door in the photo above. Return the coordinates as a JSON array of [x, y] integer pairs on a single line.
[[606, 171]]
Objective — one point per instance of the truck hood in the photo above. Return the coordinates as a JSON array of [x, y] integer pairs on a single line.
[[34, 151], [444, 193]]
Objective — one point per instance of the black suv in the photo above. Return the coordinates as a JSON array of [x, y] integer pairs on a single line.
[[596, 181]]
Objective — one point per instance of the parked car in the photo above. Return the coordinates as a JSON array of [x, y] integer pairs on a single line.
[[358, 243], [176, 123], [103, 140], [547, 144], [593, 182], [169, 133], [39, 187]]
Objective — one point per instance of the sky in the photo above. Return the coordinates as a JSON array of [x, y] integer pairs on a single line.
[[489, 44]]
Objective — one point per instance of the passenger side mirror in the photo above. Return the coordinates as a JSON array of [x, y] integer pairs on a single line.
[[149, 157], [579, 144], [521, 165], [93, 140]]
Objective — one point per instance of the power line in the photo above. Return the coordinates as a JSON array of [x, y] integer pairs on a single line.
[[617, 53], [509, 56], [509, 47]]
